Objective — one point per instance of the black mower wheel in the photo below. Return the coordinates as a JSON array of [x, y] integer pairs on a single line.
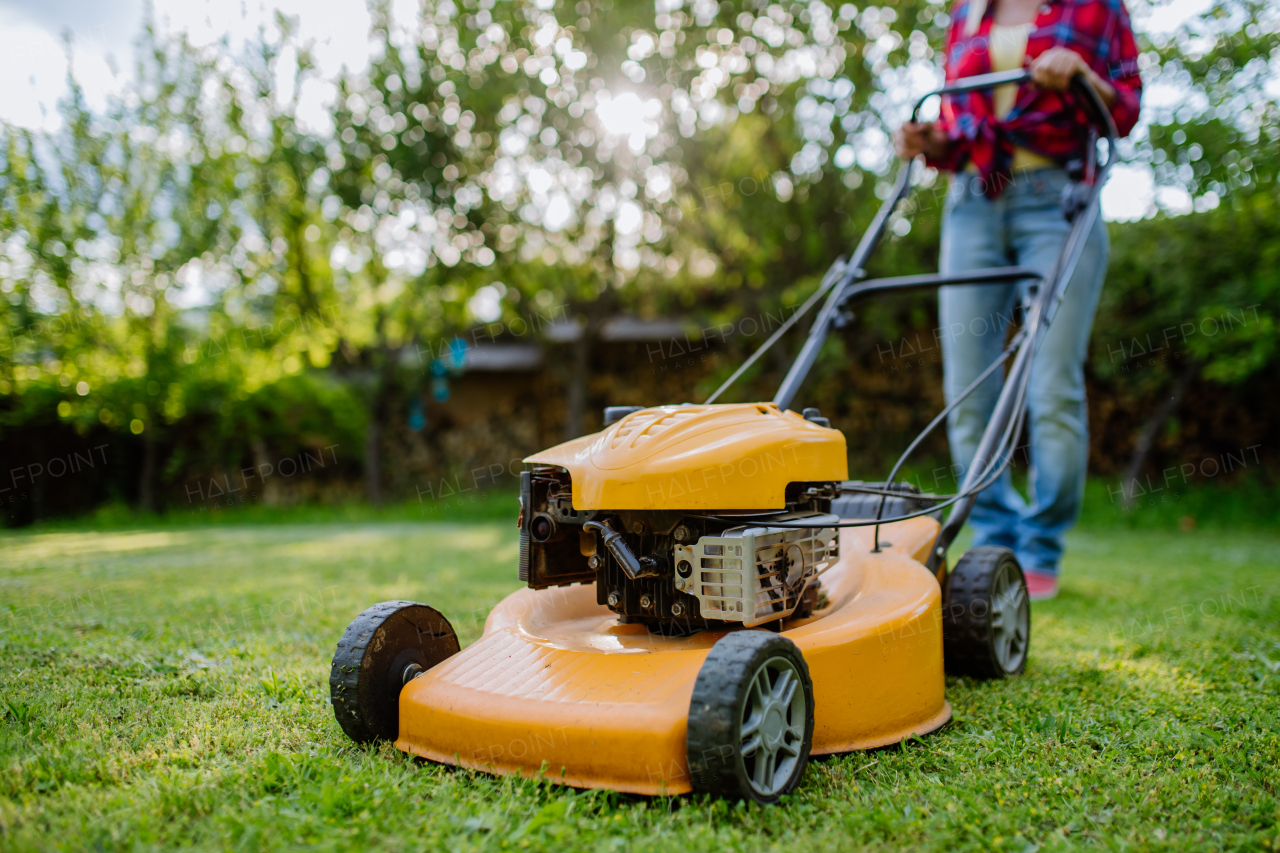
[[751, 718], [986, 624], [382, 650]]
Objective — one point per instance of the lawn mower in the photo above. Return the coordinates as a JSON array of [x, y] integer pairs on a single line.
[[709, 601]]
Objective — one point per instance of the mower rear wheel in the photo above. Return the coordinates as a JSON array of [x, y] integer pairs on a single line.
[[383, 649], [986, 626], [751, 718]]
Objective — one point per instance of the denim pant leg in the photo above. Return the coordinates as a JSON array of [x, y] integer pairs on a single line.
[[1059, 424], [973, 321]]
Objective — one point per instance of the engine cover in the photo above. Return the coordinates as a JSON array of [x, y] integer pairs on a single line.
[[721, 457]]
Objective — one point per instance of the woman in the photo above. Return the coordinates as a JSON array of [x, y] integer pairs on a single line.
[[1010, 150]]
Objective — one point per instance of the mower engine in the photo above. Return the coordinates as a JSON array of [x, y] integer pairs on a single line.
[[685, 569], [667, 566]]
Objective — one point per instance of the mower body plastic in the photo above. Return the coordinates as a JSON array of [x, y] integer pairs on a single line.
[[557, 687]]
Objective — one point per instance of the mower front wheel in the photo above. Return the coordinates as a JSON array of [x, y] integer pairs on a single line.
[[986, 624], [383, 649], [751, 718]]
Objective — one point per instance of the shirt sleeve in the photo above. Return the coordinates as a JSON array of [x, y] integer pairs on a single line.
[[1121, 70], [955, 156], [946, 120]]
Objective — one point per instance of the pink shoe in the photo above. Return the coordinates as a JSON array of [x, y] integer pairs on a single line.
[[1040, 585]]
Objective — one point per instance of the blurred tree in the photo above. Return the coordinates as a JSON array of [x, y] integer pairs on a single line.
[[1211, 279], [186, 270]]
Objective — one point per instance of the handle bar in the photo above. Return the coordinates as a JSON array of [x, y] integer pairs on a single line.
[[1097, 110], [845, 275], [972, 84]]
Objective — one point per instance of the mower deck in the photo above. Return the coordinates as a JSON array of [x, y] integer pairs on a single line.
[[557, 686]]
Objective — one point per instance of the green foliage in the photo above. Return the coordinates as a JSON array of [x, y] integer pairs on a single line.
[[201, 281], [1206, 286], [1222, 137]]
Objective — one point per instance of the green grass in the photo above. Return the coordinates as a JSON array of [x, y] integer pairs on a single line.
[[1247, 504], [488, 505], [166, 686]]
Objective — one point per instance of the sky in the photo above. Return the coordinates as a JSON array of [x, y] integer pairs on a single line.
[[34, 37], [102, 33]]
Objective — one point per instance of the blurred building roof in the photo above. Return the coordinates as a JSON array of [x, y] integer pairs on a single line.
[[562, 331], [624, 329], [621, 329], [517, 357], [497, 358]]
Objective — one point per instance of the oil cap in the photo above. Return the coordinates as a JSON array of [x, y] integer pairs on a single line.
[[814, 416], [613, 414]]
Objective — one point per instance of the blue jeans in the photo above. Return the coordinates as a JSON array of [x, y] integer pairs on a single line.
[[1025, 227]]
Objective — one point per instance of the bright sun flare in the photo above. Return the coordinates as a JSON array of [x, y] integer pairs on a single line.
[[627, 115]]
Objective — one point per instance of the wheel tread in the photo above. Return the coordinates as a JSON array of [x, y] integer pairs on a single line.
[[730, 663], [966, 628], [350, 668]]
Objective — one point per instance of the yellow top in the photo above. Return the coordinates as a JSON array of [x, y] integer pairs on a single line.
[[733, 456], [1007, 47]]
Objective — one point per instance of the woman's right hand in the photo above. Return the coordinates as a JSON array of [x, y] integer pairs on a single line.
[[915, 138]]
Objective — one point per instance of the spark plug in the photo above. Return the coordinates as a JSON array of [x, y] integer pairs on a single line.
[[631, 565]]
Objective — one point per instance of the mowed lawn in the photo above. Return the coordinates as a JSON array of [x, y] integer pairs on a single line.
[[168, 687]]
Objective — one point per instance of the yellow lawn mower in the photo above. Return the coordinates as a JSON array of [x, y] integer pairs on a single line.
[[709, 599]]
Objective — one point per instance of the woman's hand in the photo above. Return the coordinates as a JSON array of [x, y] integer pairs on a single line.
[[915, 138], [1054, 69]]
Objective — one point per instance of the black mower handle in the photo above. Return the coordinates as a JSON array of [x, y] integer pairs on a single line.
[[1094, 106], [845, 274], [973, 84], [845, 280]]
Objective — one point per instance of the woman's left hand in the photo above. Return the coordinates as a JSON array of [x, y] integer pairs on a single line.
[[1054, 68]]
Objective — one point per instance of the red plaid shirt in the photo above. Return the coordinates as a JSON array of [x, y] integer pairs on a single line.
[[1046, 122]]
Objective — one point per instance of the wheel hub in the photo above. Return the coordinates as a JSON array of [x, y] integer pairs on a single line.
[[773, 726], [1010, 619]]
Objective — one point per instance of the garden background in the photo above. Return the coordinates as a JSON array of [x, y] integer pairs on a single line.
[[519, 213], [275, 340]]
